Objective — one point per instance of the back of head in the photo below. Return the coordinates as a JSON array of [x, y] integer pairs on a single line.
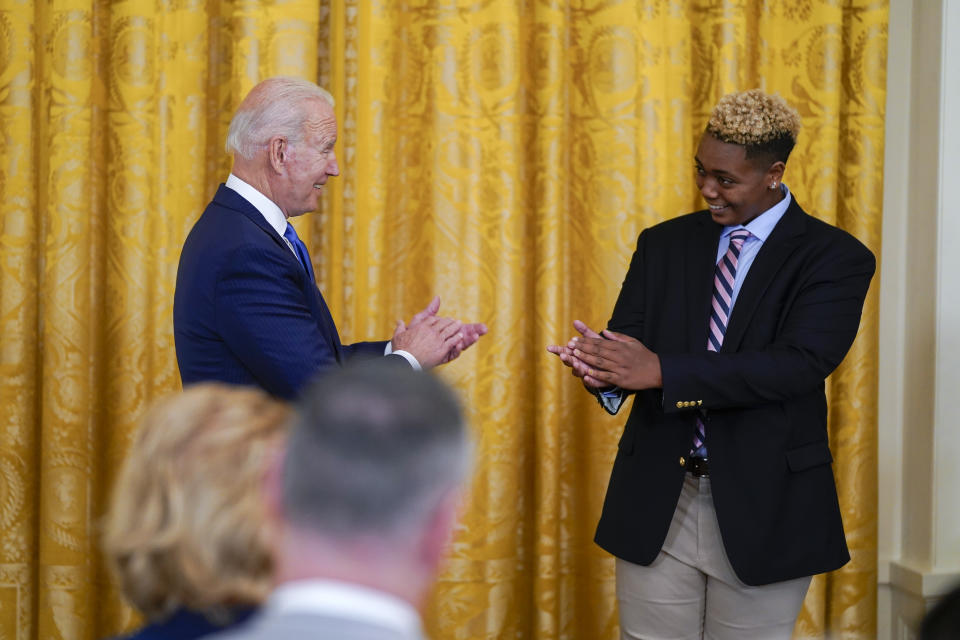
[[762, 123], [373, 450], [185, 525], [274, 107]]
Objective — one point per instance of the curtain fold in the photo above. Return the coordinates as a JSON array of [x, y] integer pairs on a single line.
[[503, 155]]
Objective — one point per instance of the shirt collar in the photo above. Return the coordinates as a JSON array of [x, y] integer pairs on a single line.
[[267, 207], [345, 600], [761, 226]]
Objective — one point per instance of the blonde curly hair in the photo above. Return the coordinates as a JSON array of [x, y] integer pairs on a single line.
[[185, 525], [765, 124]]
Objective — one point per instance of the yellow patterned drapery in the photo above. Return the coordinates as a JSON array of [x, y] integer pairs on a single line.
[[503, 154]]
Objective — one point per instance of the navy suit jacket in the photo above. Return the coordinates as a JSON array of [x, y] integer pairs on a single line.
[[185, 624], [245, 310], [796, 316]]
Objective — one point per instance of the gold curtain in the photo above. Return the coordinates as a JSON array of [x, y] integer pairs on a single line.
[[502, 154]]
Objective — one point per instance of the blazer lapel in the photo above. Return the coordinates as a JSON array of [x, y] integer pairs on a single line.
[[783, 240], [700, 263]]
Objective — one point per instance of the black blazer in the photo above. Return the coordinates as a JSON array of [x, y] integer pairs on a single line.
[[796, 316], [245, 311]]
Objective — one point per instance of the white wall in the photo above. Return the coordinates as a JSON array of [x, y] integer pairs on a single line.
[[919, 376]]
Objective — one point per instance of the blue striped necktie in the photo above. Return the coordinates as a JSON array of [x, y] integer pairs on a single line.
[[723, 278]]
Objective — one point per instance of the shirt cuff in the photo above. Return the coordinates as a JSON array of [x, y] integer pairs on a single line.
[[611, 399], [409, 357]]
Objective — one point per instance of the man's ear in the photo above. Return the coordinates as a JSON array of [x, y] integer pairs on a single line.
[[775, 173], [277, 153], [438, 531]]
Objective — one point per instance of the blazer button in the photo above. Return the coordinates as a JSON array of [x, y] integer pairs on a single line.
[[679, 405], [699, 403], [683, 461]]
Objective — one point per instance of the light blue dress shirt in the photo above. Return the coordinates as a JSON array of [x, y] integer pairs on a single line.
[[760, 229]]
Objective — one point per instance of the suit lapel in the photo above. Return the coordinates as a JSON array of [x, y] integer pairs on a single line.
[[327, 318], [700, 264], [230, 199], [783, 240]]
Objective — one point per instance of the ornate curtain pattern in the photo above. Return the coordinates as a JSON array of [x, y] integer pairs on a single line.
[[503, 155]]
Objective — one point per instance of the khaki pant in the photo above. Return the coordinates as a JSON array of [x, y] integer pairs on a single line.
[[691, 592]]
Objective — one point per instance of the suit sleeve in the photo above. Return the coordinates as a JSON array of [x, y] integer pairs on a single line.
[[814, 336], [627, 318], [263, 316], [366, 350]]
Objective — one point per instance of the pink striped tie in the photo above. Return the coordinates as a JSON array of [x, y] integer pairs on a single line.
[[723, 279]]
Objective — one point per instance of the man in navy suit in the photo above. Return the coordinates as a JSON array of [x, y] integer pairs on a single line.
[[722, 502], [247, 309]]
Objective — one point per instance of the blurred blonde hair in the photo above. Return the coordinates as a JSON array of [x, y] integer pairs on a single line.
[[186, 523]]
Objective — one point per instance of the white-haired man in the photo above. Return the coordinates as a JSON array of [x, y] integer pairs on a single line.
[[363, 503], [247, 309]]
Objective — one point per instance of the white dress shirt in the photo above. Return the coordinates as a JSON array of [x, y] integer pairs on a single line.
[[346, 601]]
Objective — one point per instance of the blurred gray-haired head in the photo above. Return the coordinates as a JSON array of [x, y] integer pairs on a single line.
[[374, 450]]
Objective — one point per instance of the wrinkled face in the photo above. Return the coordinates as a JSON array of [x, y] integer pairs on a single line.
[[736, 189], [309, 162]]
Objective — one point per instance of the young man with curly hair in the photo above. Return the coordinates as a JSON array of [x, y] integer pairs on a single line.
[[722, 503]]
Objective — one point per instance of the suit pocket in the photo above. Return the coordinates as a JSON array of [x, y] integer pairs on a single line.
[[808, 456]]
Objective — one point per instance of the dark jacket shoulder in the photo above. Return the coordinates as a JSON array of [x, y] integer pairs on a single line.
[[186, 624]]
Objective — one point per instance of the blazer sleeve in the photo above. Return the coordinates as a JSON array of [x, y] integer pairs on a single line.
[[627, 318], [263, 316], [816, 331], [629, 310]]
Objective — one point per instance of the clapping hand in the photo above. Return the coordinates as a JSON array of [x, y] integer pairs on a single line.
[[566, 353], [434, 340], [610, 359]]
